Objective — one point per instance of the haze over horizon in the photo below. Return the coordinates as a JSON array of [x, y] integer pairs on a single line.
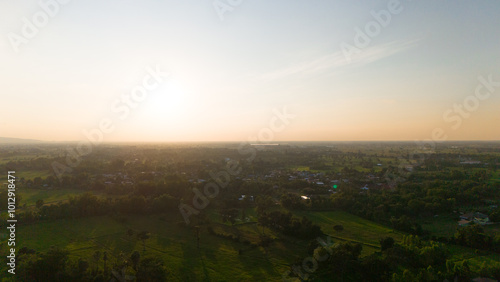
[[227, 78]]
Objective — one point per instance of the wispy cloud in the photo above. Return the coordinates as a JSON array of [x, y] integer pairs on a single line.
[[337, 61]]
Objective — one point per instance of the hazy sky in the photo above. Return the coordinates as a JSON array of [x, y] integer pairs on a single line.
[[230, 69]]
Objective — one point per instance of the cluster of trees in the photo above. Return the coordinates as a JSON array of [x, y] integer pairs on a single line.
[[423, 194], [420, 194], [88, 204], [406, 224], [495, 215], [55, 265], [412, 260], [430, 261], [292, 201], [229, 215], [289, 225], [474, 236]]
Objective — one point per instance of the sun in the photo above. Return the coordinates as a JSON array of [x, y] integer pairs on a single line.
[[166, 114], [168, 103]]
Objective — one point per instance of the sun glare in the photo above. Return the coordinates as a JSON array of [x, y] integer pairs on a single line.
[[167, 104]]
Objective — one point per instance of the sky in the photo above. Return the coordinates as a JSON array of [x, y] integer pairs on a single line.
[[227, 70]]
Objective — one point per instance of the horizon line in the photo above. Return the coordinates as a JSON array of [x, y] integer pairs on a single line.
[[238, 141]]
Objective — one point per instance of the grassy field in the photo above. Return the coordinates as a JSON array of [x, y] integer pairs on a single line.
[[216, 259], [475, 257], [356, 229], [299, 168], [176, 243], [21, 156], [441, 226], [495, 178], [30, 196], [28, 174]]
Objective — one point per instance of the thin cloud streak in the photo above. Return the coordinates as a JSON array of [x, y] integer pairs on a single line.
[[337, 60]]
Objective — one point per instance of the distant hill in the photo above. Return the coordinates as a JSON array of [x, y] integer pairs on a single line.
[[8, 140]]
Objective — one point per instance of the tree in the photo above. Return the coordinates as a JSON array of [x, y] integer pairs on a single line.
[[135, 258], [415, 206], [143, 236], [229, 215], [292, 201], [495, 216], [83, 265], [403, 224], [165, 203], [374, 269], [49, 266], [343, 261], [151, 269], [386, 243], [37, 181], [338, 227], [473, 236], [39, 203], [263, 203], [130, 232], [105, 259], [96, 256]]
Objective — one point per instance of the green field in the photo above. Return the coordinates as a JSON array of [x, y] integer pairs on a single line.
[[495, 178], [28, 174], [21, 156], [299, 168], [30, 196], [170, 239], [176, 244], [356, 229], [368, 233], [441, 226], [473, 256]]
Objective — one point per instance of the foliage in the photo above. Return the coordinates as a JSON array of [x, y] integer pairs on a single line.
[[289, 225]]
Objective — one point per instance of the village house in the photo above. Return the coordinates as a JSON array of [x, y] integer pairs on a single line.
[[476, 217]]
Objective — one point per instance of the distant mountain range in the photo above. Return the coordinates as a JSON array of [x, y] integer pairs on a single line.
[[8, 140]]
